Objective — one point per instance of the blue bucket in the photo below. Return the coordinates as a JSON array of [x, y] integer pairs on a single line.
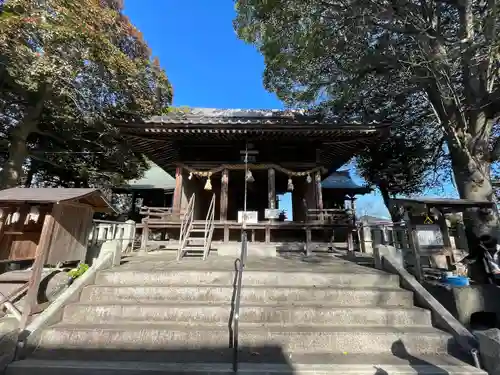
[[456, 280]]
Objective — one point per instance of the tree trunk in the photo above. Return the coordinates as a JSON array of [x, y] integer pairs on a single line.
[[12, 172], [472, 177], [395, 216], [30, 175]]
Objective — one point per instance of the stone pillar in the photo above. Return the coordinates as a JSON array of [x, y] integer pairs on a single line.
[[366, 239], [128, 235], [385, 235]]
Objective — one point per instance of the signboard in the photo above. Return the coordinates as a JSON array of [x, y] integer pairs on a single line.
[[249, 155], [429, 236], [272, 213], [251, 217]]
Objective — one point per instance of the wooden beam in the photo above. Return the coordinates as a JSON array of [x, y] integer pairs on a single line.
[[177, 200]]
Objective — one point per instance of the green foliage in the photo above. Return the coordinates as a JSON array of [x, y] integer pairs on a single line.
[[177, 110], [428, 67], [69, 71], [78, 271]]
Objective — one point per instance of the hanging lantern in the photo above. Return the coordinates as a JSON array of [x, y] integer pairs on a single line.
[[308, 178], [190, 175], [208, 185], [249, 176], [290, 184]]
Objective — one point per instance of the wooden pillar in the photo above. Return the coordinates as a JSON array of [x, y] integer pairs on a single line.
[[271, 188], [415, 247], [177, 200], [37, 268], [319, 192], [224, 196], [445, 231], [353, 210], [224, 190]]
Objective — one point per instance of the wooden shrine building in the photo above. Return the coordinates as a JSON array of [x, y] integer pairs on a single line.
[[287, 151]]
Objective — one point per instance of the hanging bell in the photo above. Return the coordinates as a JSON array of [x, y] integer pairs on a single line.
[[290, 185], [208, 184], [309, 178], [249, 176], [190, 175]]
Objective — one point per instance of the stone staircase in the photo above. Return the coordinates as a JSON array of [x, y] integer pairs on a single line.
[[323, 316]]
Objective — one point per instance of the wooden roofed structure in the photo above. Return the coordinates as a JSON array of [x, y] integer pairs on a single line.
[[428, 232], [286, 151], [48, 226]]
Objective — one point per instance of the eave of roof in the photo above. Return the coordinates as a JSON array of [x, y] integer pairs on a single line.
[[92, 197], [445, 205]]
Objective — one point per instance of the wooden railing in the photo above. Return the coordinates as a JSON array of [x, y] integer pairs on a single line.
[[329, 215], [157, 213], [186, 224], [209, 228]]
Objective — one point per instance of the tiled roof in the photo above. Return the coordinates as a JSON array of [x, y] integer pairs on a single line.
[[158, 136], [154, 178], [212, 116], [342, 180]]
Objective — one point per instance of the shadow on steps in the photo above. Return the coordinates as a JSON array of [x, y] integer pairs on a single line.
[[102, 361]]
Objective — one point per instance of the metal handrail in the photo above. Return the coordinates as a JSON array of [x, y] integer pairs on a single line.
[[186, 224], [209, 228], [237, 300]]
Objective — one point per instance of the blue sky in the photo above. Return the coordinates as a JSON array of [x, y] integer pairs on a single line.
[[208, 65]]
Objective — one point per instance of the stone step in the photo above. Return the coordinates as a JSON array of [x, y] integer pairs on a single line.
[[133, 336], [256, 294], [194, 277], [87, 313], [361, 365]]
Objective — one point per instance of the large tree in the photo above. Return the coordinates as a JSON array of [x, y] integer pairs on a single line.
[[358, 58], [68, 70], [412, 159]]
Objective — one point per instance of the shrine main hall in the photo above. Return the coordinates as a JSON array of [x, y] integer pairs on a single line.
[[222, 157]]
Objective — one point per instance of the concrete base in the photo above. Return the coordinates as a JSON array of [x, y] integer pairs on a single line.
[[462, 302], [489, 349], [380, 251]]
